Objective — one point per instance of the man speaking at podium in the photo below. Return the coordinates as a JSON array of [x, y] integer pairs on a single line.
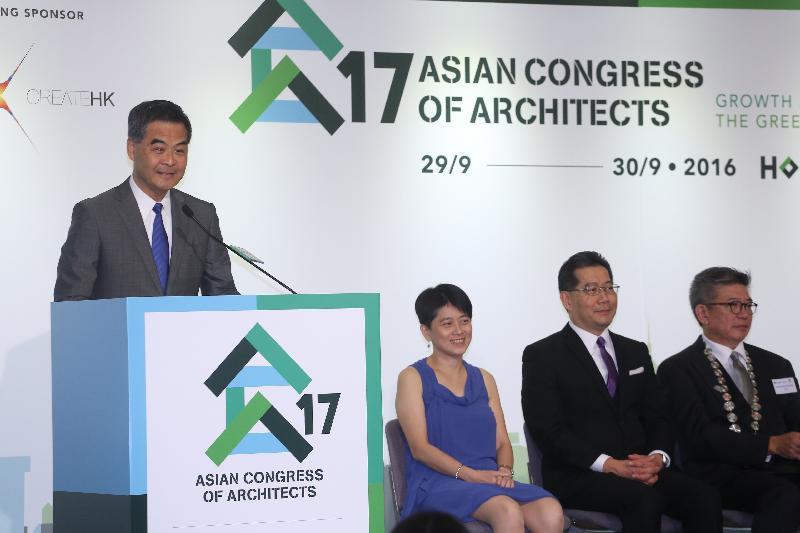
[[137, 239]]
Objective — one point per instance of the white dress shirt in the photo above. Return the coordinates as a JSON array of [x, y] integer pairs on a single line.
[[590, 341], [723, 355], [146, 204]]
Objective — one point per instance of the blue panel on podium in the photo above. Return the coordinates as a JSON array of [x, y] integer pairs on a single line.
[[90, 397]]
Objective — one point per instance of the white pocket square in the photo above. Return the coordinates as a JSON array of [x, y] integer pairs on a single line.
[[636, 371]]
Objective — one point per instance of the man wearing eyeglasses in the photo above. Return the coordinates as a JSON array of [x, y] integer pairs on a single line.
[[737, 406], [594, 408]]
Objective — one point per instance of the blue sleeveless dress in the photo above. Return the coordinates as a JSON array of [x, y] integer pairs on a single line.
[[464, 428]]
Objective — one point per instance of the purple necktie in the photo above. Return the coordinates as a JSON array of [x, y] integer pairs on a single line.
[[613, 375]]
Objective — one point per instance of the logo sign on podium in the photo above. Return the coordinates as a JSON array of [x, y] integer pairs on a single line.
[[265, 417]]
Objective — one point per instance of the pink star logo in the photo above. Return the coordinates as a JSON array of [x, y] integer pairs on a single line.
[[4, 104]]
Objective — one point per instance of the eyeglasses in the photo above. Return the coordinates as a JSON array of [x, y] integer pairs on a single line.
[[736, 307], [593, 290]]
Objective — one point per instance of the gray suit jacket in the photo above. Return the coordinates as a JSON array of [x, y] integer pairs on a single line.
[[107, 253]]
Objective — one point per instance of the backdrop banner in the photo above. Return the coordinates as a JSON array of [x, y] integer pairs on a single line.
[[385, 146]]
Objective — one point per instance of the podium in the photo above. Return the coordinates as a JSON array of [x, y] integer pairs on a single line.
[[226, 414]]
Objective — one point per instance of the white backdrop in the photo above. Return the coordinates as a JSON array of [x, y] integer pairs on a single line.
[[354, 212]]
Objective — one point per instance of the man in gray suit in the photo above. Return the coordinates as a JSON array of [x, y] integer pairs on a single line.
[[137, 239]]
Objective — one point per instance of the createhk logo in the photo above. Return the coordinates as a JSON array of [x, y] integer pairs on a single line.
[[259, 36], [4, 104]]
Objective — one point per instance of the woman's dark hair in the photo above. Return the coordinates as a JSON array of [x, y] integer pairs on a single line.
[[431, 300]]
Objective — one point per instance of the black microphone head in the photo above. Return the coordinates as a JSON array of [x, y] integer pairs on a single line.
[[187, 210]]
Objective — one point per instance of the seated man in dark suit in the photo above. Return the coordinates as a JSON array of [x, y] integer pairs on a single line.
[[592, 403], [137, 239], [737, 406]]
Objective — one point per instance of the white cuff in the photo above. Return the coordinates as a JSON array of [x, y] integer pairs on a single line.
[[665, 455], [598, 463]]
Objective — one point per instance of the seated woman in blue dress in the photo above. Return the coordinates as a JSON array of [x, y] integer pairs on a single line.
[[460, 456]]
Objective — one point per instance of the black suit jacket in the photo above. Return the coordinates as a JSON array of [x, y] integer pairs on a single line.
[[572, 417], [107, 253], [708, 448]]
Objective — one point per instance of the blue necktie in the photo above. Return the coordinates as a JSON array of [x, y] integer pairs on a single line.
[[160, 248], [613, 375]]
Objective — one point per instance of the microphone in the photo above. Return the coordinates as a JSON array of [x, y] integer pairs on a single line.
[[190, 213]]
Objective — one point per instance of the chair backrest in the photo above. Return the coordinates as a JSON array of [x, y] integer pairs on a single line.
[[534, 457], [396, 442]]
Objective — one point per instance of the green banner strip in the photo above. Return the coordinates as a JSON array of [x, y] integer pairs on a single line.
[[238, 428], [260, 66], [234, 403], [724, 4], [263, 95], [278, 358], [613, 3], [372, 341], [282, 302], [376, 518], [310, 23]]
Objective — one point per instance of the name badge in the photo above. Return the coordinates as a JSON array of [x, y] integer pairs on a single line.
[[784, 385], [636, 371]]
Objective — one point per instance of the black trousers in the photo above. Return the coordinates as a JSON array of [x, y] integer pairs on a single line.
[[773, 499], [695, 504]]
